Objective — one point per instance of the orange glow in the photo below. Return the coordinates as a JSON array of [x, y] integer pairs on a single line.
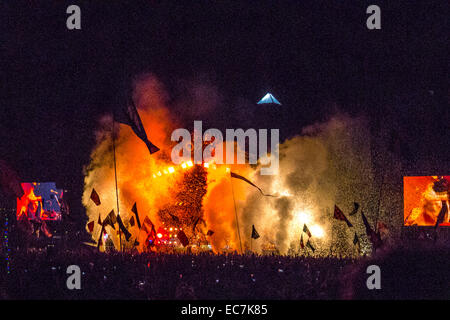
[[29, 202], [152, 180], [422, 203]]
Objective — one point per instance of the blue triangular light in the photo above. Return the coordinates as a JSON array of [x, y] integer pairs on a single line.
[[269, 98]]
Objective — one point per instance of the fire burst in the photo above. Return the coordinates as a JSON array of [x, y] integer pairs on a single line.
[[305, 187]]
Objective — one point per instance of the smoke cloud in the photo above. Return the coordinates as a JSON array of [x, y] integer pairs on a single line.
[[326, 164]]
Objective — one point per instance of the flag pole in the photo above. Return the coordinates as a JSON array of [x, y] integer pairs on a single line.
[[100, 238], [115, 178], [235, 212]]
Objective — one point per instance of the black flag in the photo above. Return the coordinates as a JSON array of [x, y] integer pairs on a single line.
[[122, 228], [127, 113], [306, 230], [134, 210], [90, 226], [339, 215], [183, 238], [95, 197], [355, 208], [371, 234], [99, 242], [308, 244], [235, 175], [210, 233], [110, 220], [355, 239], [255, 234], [132, 223], [149, 223]]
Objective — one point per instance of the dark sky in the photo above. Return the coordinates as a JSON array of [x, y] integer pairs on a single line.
[[312, 55]]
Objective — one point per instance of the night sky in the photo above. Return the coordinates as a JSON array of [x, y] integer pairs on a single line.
[[314, 56]]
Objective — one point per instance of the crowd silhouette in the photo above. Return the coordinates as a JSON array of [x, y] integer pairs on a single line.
[[41, 274]]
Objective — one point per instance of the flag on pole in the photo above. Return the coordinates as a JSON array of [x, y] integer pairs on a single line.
[[356, 240], [100, 241], [255, 234], [147, 223], [302, 245], [306, 230], [122, 228], [129, 115], [339, 215], [149, 227], [91, 226], [355, 208], [110, 220], [183, 238], [134, 210], [132, 223], [235, 175], [374, 237], [308, 244], [95, 197]]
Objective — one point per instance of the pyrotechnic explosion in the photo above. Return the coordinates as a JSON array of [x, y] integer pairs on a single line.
[[325, 164]]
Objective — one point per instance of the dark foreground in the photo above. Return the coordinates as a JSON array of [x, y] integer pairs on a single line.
[[405, 274]]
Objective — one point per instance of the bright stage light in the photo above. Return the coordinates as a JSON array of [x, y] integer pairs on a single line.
[[159, 235], [285, 193], [206, 165], [317, 231], [184, 165], [301, 217], [171, 170], [159, 173], [190, 164]]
